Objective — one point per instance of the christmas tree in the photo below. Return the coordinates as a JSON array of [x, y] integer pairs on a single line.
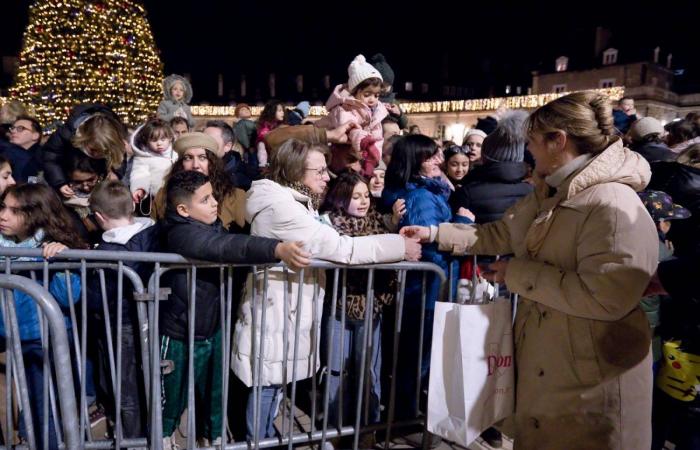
[[84, 51]]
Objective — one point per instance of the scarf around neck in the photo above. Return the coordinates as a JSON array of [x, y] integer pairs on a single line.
[[304, 190]]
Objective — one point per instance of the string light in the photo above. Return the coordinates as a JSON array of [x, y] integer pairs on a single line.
[[88, 51], [451, 106]]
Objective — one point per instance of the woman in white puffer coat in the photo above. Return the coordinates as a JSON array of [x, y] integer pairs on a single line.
[[286, 207]]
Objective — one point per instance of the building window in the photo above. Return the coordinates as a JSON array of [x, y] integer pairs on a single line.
[[606, 83], [409, 86], [610, 56], [559, 88], [561, 64], [424, 88], [507, 89]]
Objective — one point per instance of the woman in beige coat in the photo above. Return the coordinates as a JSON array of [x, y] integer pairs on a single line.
[[584, 250]]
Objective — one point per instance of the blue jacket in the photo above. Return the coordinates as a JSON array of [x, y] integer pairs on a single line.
[[426, 204], [26, 307], [623, 121]]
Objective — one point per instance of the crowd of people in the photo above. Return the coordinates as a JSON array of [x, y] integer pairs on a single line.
[[576, 197]]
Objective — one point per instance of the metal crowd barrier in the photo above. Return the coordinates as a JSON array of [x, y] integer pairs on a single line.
[[299, 399], [52, 330]]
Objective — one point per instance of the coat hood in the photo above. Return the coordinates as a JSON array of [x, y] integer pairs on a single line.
[[146, 153], [168, 84], [265, 193], [616, 164], [122, 235]]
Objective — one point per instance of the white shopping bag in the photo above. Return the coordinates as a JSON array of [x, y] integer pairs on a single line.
[[472, 383]]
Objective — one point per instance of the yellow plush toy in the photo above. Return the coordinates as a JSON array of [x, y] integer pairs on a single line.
[[679, 375]]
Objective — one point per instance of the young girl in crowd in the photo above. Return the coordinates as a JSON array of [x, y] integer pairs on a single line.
[[271, 117], [32, 216], [350, 209], [358, 102], [472, 141], [153, 158], [6, 179], [177, 94], [456, 164], [376, 183]]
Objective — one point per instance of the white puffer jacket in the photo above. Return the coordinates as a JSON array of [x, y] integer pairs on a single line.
[[280, 212], [149, 169]]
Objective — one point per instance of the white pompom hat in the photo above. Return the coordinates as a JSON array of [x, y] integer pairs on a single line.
[[359, 70]]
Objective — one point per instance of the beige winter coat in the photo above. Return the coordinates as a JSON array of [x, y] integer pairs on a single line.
[[280, 212], [583, 258]]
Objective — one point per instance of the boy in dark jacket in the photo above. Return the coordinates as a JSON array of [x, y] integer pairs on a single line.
[[192, 229], [113, 210]]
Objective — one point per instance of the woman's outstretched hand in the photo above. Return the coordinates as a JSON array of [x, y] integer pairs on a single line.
[[416, 232]]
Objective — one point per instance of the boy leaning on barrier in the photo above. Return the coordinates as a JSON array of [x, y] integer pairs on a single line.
[[192, 229], [113, 207]]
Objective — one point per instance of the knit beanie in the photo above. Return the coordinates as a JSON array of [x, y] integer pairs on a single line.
[[644, 127], [359, 70], [195, 140], [473, 132], [507, 141], [383, 67], [304, 108]]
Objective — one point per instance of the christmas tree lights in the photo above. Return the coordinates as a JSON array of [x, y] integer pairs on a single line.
[[86, 51]]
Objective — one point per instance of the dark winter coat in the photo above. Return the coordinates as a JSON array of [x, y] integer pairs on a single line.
[[682, 183], [197, 240], [489, 190], [240, 173], [59, 147], [25, 163], [146, 240], [623, 121], [653, 152]]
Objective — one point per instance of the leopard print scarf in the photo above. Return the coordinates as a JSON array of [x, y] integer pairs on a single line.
[[372, 223], [384, 281], [304, 190]]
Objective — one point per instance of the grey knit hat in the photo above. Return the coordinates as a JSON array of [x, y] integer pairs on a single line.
[[507, 141]]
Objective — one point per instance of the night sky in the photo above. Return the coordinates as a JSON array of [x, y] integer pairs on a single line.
[[480, 47]]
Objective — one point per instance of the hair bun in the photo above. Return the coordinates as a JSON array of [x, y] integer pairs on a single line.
[[602, 109]]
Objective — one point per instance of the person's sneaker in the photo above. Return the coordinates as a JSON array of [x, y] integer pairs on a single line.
[[170, 444], [204, 442], [493, 437]]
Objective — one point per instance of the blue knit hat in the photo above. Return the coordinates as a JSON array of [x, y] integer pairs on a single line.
[[304, 108]]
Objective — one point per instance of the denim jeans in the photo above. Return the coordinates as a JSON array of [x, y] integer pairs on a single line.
[[34, 371], [270, 399], [347, 344]]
